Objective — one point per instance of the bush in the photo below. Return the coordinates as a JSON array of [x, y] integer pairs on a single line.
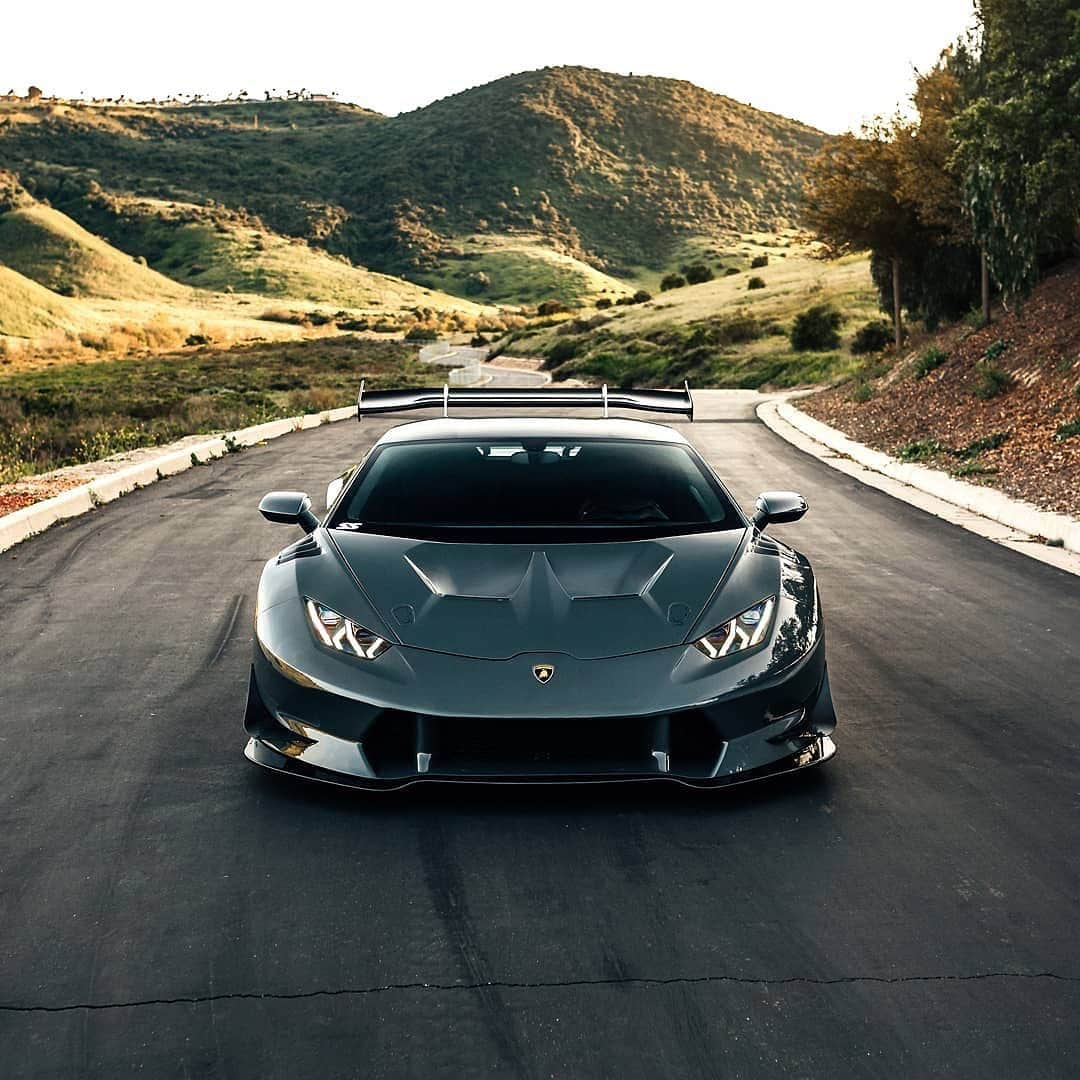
[[988, 442], [478, 341], [994, 350], [602, 303], [550, 307], [698, 273], [283, 315], [477, 282], [817, 328], [759, 261], [642, 297], [197, 339], [731, 270], [922, 450], [672, 281], [863, 392], [756, 283], [563, 350], [422, 333], [931, 359], [872, 337], [1067, 431], [992, 380]]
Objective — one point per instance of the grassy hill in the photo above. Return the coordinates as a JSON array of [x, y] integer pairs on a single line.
[[616, 173], [232, 251], [28, 309], [719, 333], [48, 247]]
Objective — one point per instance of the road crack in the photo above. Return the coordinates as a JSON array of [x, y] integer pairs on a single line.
[[555, 984]]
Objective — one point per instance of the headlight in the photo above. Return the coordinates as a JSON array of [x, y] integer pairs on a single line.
[[343, 635], [744, 632]]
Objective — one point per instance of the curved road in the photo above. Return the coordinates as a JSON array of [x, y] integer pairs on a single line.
[[910, 909]]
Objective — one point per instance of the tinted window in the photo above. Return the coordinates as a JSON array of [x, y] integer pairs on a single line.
[[617, 486]]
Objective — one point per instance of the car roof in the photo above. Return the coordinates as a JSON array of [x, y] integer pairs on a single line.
[[530, 427]]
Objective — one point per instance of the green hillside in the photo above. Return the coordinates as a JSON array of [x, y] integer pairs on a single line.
[[28, 309], [230, 251], [48, 247], [617, 173]]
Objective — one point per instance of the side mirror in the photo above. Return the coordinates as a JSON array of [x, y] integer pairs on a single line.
[[778, 508], [289, 508]]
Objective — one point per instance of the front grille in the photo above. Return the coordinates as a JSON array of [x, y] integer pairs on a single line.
[[603, 746]]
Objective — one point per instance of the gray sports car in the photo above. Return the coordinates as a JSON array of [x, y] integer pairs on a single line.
[[536, 600]]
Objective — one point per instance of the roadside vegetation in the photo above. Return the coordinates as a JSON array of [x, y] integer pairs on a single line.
[[993, 405], [72, 413], [971, 212]]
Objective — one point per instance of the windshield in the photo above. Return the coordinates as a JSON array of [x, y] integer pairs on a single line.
[[582, 488]]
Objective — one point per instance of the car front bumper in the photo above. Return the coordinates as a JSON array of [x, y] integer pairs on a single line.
[[781, 724]]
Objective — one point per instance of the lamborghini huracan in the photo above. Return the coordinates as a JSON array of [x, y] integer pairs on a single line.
[[515, 599]]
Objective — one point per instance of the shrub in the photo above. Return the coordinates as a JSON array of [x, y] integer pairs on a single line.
[[283, 315], [642, 297], [563, 350], [973, 468], [197, 339], [871, 337], [817, 328], [932, 358], [698, 273], [603, 302], [354, 325], [992, 380], [422, 333], [756, 283], [863, 392], [477, 282], [995, 349], [921, 450], [730, 271], [988, 442], [672, 281], [478, 341], [1067, 431], [550, 307], [759, 261]]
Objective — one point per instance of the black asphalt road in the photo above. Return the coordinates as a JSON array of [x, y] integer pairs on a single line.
[[166, 908]]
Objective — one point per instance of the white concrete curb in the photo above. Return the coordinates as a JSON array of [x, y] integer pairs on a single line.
[[21, 524], [978, 509]]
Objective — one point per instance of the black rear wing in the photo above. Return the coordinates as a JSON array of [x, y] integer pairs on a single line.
[[373, 402]]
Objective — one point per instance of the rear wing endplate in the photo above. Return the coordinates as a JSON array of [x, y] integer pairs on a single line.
[[373, 402]]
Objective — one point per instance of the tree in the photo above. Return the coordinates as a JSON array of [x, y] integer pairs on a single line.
[[852, 203], [34, 93], [942, 263], [1018, 142]]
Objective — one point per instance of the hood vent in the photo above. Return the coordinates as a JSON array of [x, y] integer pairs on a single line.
[[304, 548]]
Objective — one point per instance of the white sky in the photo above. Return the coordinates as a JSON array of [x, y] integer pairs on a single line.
[[831, 63]]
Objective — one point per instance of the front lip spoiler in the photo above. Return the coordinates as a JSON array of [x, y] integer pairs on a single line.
[[816, 751]]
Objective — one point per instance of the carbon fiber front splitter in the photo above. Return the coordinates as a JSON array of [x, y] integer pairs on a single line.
[[814, 751]]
